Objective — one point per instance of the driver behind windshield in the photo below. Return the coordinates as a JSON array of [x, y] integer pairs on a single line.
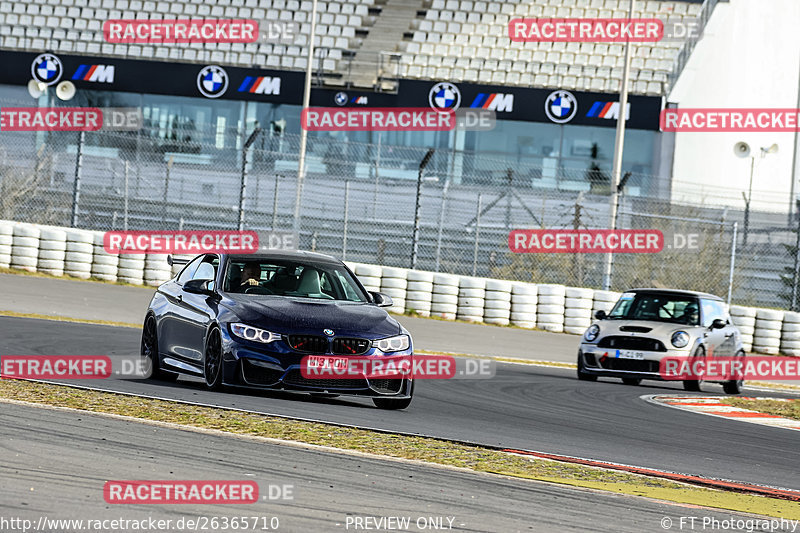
[[251, 275]]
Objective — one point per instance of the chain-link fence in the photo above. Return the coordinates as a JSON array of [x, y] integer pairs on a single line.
[[358, 202]]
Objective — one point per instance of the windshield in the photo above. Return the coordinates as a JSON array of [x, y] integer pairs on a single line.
[[322, 281], [657, 307]]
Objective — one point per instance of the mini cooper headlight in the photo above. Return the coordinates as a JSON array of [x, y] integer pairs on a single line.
[[392, 344], [592, 333], [254, 334], [680, 339]]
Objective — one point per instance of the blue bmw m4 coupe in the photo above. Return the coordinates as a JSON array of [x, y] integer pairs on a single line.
[[250, 320]]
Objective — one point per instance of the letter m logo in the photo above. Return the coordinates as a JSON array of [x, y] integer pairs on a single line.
[[102, 74], [268, 85], [501, 102]]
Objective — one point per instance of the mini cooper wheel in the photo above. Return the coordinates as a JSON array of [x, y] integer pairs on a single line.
[[693, 385], [734, 386], [149, 351], [212, 360]]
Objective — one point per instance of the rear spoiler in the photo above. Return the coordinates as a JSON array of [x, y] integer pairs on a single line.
[[176, 261]]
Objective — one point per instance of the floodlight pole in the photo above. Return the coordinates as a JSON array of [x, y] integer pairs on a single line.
[[301, 163], [619, 145]]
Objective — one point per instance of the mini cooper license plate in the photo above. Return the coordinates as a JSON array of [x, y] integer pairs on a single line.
[[323, 362], [630, 354]]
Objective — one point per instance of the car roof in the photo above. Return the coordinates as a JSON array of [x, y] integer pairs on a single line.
[[287, 255], [678, 292]]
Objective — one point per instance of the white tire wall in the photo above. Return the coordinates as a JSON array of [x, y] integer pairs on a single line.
[[471, 298], [767, 334], [104, 264], [444, 299], [80, 254], [419, 292], [578, 306], [369, 276], [550, 307], [25, 247], [497, 302], [393, 284], [131, 268], [6, 243], [524, 297], [52, 250], [156, 269], [790, 334]]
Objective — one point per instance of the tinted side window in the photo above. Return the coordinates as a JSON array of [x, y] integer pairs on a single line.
[[189, 271]]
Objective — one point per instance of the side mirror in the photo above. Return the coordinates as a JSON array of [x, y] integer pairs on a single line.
[[381, 300], [718, 323], [600, 315], [198, 286]]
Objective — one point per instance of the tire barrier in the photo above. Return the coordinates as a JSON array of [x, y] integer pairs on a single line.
[[131, 269], [604, 301], [524, 297], [767, 335], [80, 253], [744, 318], [790, 334], [25, 247], [369, 276], [393, 283], [497, 302], [471, 299], [444, 299], [578, 306], [156, 270], [104, 264], [52, 250], [419, 292], [550, 307], [6, 242]]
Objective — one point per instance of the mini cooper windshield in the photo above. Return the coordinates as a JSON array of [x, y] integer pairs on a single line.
[[319, 280], [658, 307]]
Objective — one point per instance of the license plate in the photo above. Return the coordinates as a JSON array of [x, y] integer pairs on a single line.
[[334, 363], [629, 354]]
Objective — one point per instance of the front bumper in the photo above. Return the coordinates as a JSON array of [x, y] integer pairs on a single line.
[[613, 363], [275, 366]]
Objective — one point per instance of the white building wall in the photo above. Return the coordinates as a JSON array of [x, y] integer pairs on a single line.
[[749, 57]]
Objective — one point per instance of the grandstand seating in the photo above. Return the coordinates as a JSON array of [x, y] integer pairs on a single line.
[[456, 40], [468, 41]]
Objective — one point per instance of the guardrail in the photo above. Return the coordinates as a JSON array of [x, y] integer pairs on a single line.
[[552, 307]]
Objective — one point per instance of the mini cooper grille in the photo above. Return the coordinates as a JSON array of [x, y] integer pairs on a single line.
[[632, 365], [309, 343], [296, 378], [258, 375], [632, 343], [350, 346]]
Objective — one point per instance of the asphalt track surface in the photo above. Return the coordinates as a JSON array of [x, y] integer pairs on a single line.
[[55, 463], [523, 406]]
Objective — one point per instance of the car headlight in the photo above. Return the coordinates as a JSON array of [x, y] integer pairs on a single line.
[[254, 334], [392, 344], [680, 339], [592, 333]]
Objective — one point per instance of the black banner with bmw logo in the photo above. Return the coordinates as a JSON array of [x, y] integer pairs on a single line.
[[154, 77], [557, 106]]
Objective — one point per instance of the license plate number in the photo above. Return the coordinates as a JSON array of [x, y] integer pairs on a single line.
[[335, 363], [629, 354]]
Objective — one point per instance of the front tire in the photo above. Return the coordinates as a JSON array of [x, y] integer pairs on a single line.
[[734, 386], [149, 351], [693, 385], [212, 360]]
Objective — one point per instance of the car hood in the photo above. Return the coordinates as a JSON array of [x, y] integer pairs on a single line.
[[287, 315], [658, 330]]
